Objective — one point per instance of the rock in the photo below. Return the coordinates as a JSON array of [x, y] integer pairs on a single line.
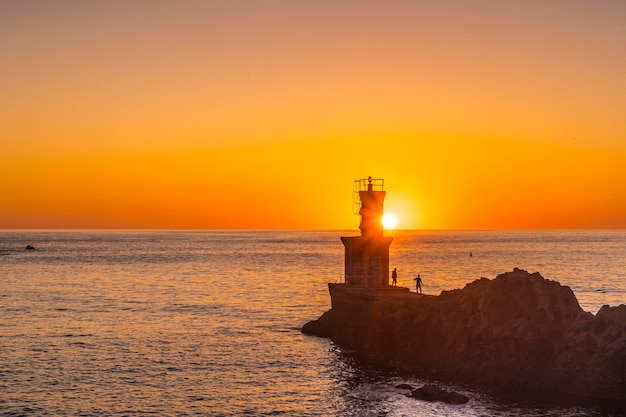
[[518, 330], [432, 393], [29, 247], [405, 386]]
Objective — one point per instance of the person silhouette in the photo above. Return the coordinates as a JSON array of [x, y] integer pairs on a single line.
[[394, 277], [418, 284]]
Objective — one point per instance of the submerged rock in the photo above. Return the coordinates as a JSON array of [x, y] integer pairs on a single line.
[[433, 393], [518, 330]]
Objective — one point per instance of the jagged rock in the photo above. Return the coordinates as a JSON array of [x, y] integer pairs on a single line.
[[518, 330], [432, 393]]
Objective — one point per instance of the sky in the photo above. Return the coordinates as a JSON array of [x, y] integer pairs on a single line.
[[261, 114]]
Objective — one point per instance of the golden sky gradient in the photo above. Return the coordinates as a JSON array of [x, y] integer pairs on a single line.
[[260, 114]]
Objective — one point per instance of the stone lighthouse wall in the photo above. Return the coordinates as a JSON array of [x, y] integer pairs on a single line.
[[367, 260]]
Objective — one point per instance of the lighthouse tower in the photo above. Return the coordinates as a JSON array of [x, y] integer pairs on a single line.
[[367, 256]]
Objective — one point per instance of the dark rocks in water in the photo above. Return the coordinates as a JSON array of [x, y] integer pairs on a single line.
[[405, 386], [29, 247], [432, 393], [517, 331]]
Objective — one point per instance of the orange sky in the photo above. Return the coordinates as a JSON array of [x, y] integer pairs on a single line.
[[220, 114]]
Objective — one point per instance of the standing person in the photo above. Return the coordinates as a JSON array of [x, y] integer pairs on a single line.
[[418, 284], [394, 277]]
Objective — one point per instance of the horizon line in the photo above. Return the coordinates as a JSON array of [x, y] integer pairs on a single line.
[[298, 230]]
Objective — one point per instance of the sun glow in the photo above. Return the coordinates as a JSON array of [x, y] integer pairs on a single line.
[[390, 221]]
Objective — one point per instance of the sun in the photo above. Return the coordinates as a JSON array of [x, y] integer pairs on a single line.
[[390, 221]]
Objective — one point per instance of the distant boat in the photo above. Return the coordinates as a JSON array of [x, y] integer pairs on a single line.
[[29, 247]]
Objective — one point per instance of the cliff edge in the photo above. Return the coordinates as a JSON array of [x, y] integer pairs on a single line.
[[518, 330]]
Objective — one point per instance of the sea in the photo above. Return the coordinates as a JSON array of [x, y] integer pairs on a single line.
[[207, 323]]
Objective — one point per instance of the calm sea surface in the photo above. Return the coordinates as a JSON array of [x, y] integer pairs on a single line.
[[133, 323]]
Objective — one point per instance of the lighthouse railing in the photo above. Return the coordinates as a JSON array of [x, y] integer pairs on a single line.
[[365, 184], [377, 184]]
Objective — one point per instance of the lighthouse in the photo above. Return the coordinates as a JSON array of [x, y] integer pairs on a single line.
[[367, 256]]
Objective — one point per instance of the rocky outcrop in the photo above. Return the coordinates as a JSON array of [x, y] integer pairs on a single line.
[[432, 393], [518, 330]]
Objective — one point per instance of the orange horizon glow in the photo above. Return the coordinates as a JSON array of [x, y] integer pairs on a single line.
[[187, 115]]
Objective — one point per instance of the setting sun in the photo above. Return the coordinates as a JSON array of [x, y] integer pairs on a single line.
[[390, 221]]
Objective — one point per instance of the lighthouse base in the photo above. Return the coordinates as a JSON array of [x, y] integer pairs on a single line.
[[367, 260]]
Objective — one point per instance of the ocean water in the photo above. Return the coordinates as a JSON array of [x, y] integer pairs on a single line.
[[207, 323]]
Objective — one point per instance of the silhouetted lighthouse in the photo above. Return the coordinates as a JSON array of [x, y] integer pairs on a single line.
[[367, 256]]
